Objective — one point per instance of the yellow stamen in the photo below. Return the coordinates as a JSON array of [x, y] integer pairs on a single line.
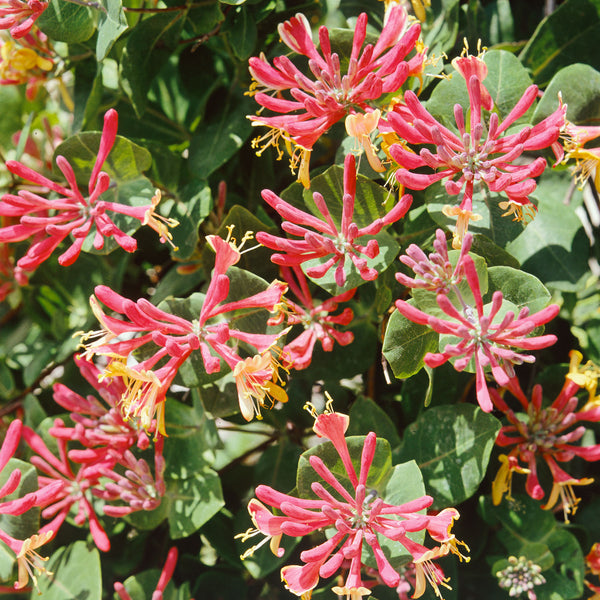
[[524, 213], [28, 560], [159, 223], [462, 223], [564, 490]]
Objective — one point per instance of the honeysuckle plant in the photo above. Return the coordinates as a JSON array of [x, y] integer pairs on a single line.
[[424, 280]]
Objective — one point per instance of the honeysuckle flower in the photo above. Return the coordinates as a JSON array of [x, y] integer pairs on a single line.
[[354, 518], [18, 16], [587, 160], [322, 238], [163, 580], [48, 222], [314, 105], [547, 434], [360, 126], [29, 561], [481, 155], [28, 60], [483, 335], [96, 423], [69, 488], [316, 319], [434, 272], [176, 338], [585, 376]]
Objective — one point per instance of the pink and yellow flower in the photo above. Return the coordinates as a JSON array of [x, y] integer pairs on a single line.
[[314, 105], [547, 435], [49, 222]]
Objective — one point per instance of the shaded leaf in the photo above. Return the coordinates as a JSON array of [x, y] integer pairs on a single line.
[[452, 445]]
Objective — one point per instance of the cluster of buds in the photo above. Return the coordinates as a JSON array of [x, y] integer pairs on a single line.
[[486, 336], [521, 576], [355, 520]]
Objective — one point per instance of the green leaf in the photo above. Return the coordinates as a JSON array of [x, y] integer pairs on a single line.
[[452, 446], [518, 287], [554, 246], [441, 27], [76, 576], [217, 139], [148, 47], [241, 33], [507, 80], [193, 501], [192, 439], [579, 86], [406, 343], [67, 22], [125, 162], [111, 24], [367, 416], [87, 92], [378, 473], [194, 206], [7, 382], [563, 38]]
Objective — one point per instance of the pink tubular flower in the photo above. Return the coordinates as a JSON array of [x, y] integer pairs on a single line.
[[328, 240], [547, 434], [354, 518], [49, 222], [18, 16], [483, 336], [68, 488], [316, 104], [163, 581], [95, 423], [176, 338], [316, 319], [434, 273], [480, 155]]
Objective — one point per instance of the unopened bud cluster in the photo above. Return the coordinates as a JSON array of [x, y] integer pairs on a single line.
[[520, 577]]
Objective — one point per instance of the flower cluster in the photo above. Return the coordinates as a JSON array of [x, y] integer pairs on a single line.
[[521, 576], [26, 61], [544, 435], [325, 238], [316, 319], [28, 560], [107, 468], [355, 518], [482, 154], [586, 160], [484, 335], [18, 16], [49, 222], [176, 338], [316, 104]]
